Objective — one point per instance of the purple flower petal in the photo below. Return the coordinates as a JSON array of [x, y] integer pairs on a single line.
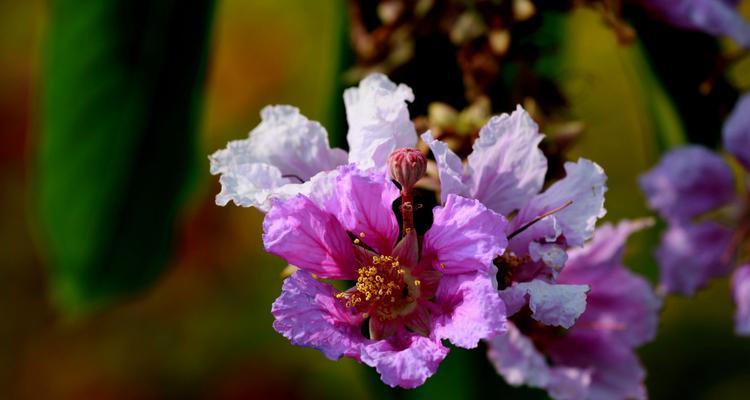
[[690, 255], [506, 165], [520, 363], [379, 120], [310, 238], [584, 186], [405, 360], [620, 304], [450, 169], [715, 17], [604, 251], [472, 309], [616, 372], [741, 294], [286, 144], [362, 202], [687, 182], [308, 315], [550, 304], [737, 131], [465, 237]]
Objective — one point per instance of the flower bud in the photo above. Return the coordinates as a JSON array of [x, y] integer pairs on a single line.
[[407, 166]]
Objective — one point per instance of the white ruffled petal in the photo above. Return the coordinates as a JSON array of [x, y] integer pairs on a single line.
[[283, 151], [378, 120]]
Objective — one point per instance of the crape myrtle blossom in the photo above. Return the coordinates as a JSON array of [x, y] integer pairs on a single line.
[[409, 292], [286, 150], [595, 358], [505, 171], [708, 218], [715, 17]]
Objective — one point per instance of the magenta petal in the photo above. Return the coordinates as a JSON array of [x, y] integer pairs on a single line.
[[741, 294], [310, 238], [737, 131], [687, 182], [616, 371], [308, 315], [405, 360], [583, 187], [472, 309], [465, 237], [690, 255], [362, 202], [550, 304]]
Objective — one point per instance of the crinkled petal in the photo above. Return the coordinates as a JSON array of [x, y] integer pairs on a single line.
[[310, 238], [308, 315], [465, 237], [550, 304], [506, 166], [250, 185], [286, 143], [737, 131], [715, 17], [405, 360], [362, 202], [616, 372], [515, 358], [687, 182], [472, 309], [741, 294], [450, 169], [378, 120], [583, 187], [690, 255]]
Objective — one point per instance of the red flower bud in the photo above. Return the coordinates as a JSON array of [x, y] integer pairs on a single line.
[[407, 166]]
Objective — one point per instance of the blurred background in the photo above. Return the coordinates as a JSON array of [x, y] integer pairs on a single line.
[[120, 278]]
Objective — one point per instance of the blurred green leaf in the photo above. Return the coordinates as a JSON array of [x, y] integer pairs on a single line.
[[122, 86]]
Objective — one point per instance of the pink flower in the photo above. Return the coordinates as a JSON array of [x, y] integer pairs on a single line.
[[409, 292]]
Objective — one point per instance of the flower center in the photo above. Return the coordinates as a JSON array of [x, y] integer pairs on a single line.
[[384, 289]]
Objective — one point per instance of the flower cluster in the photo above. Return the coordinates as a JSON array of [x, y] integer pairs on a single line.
[[708, 217], [503, 259]]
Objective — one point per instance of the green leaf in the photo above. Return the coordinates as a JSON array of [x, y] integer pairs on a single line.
[[122, 86]]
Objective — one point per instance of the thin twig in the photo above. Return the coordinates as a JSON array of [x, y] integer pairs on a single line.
[[539, 218]]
